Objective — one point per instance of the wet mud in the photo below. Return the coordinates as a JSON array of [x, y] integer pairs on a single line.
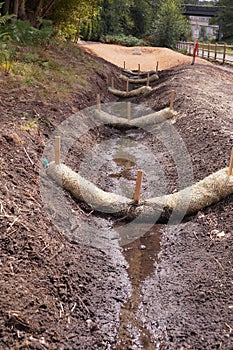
[[68, 288], [142, 256]]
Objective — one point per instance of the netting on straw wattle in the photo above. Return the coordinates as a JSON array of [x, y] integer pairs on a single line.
[[140, 80], [150, 119], [191, 199], [136, 92]]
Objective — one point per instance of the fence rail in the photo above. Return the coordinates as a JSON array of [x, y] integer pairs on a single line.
[[213, 52]]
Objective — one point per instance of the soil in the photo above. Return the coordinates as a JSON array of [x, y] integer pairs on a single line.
[[168, 288], [147, 57]]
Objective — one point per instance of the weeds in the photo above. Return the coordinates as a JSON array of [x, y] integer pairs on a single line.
[[30, 126], [44, 70], [33, 125], [7, 55]]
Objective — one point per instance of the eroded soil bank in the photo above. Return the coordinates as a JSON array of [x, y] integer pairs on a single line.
[[58, 293]]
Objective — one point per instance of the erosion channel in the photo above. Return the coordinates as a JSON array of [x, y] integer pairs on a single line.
[[124, 153], [164, 297], [73, 277]]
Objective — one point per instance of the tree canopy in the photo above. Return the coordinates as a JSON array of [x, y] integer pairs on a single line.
[[170, 24], [161, 20], [225, 18]]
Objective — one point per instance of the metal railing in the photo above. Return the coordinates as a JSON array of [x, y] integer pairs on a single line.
[[212, 52]]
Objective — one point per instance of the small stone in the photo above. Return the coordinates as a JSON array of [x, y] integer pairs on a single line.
[[89, 322], [137, 52], [92, 325], [221, 234], [142, 247]]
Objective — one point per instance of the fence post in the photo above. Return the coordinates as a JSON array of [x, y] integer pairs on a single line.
[[189, 49], [224, 53], [208, 56], [215, 51]]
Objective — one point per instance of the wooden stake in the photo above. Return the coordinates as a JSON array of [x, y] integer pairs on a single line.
[[172, 99], [157, 67], [127, 85], [57, 150], [124, 65], [230, 164], [139, 70], [112, 83], [138, 187], [148, 79], [129, 110], [98, 102]]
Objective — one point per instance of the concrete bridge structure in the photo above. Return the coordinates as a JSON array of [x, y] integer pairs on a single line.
[[199, 16], [201, 11]]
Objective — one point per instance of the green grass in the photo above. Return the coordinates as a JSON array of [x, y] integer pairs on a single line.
[[62, 68]]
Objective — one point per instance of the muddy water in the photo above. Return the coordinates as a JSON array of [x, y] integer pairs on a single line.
[[141, 255], [143, 244], [119, 158]]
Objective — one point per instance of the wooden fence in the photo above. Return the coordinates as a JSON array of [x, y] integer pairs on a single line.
[[213, 52]]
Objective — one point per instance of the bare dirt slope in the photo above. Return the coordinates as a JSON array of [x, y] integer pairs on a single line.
[[57, 294], [148, 58]]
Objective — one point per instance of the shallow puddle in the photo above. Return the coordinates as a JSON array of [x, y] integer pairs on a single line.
[[141, 255], [124, 160]]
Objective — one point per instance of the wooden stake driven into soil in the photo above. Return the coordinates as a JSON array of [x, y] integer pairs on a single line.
[[143, 78], [230, 169], [124, 65], [136, 196], [127, 86], [189, 200], [140, 122], [172, 99], [112, 83], [57, 149], [148, 79], [129, 110], [157, 67], [98, 102], [136, 92], [139, 70]]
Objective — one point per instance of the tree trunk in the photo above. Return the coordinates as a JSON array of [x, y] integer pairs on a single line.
[[22, 10], [39, 8], [48, 8], [16, 8]]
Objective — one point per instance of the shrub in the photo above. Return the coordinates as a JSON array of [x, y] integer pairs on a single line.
[[123, 40], [22, 32]]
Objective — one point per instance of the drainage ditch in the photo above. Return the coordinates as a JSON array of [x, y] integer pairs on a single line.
[[141, 255]]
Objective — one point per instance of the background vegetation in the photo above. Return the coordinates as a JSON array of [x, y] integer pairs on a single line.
[[128, 22]]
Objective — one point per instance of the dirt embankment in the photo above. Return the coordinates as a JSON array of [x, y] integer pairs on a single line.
[[58, 294], [147, 57], [54, 293]]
